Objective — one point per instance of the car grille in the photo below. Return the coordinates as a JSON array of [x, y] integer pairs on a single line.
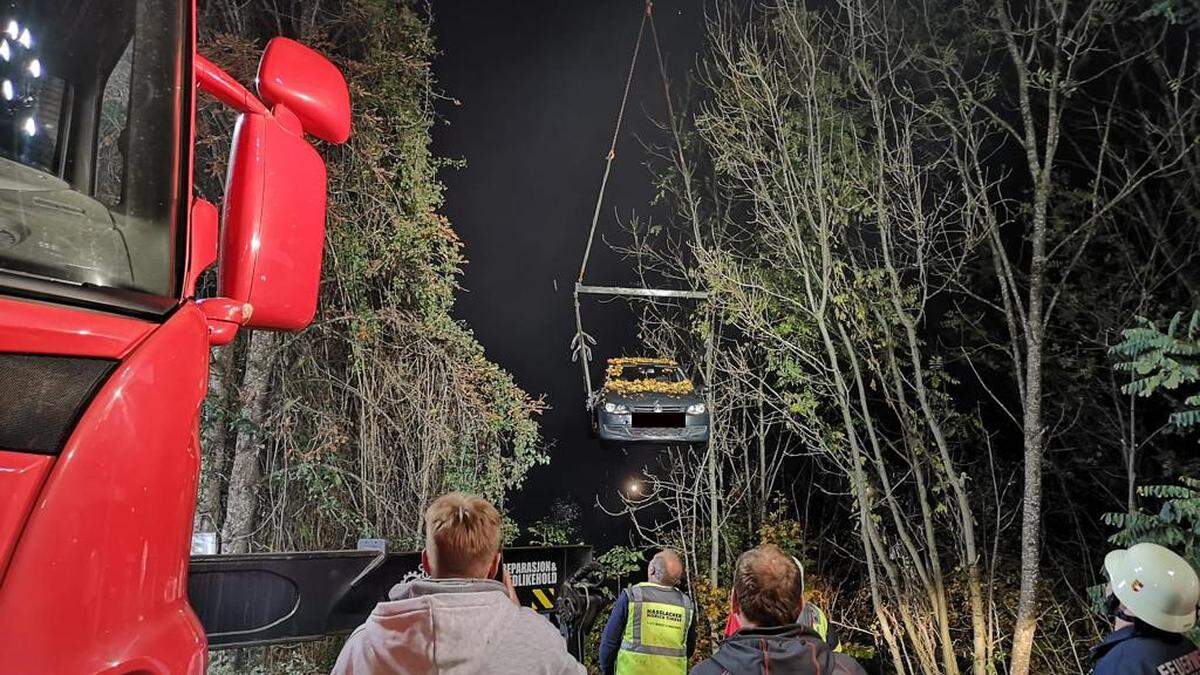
[[659, 420], [652, 408]]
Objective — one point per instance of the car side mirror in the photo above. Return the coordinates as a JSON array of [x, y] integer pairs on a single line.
[[273, 215]]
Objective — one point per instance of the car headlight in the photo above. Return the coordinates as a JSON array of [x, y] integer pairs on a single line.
[[615, 408], [696, 409]]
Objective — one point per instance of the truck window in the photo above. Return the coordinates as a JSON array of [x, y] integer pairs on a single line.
[[92, 140], [114, 116]]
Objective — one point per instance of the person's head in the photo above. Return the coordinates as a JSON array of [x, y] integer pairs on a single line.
[[462, 537], [665, 568], [768, 589], [1153, 584]]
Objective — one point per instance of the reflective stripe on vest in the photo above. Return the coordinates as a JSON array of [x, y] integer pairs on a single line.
[[813, 617], [656, 628]]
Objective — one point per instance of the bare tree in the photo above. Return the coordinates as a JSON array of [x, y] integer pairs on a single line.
[[245, 472], [1053, 50]]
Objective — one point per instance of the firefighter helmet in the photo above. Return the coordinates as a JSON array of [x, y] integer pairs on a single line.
[[1156, 585]]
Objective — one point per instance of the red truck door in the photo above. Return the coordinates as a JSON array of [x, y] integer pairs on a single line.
[[103, 345]]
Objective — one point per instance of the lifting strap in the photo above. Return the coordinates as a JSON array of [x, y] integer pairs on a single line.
[[581, 344]]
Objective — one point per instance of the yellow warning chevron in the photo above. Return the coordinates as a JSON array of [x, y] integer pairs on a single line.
[[546, 601]]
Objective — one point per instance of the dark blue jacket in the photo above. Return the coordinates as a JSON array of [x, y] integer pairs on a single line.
[[1143, 649], [610, 640], [795, 650]]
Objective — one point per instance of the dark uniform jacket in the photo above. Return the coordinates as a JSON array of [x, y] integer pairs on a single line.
[[792, 649], [1142, 649]]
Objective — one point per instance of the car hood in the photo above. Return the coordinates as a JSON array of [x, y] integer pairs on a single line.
[[651, 399]]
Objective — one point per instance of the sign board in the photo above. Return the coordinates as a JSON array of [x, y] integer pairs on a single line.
[[258, 599], [538, 572]]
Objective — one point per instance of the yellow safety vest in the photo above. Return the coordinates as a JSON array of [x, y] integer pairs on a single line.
[[813, 617], [656, 628]]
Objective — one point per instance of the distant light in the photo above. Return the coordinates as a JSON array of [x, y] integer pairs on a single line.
[[30, 126], [5, 51], [35, 68], [13, 29], [26, 39], [634, 487], [7, 89]]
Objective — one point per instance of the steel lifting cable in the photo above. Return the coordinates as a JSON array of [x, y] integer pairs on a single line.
[[581, 344], [680, 162], [612, 149]]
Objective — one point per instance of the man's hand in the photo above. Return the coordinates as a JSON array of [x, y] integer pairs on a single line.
[[508, 586]]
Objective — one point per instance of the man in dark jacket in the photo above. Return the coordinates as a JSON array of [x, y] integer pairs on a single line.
[[1152, 598], [768, 594]]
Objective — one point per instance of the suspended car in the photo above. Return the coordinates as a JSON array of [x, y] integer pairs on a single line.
[[648, 401]]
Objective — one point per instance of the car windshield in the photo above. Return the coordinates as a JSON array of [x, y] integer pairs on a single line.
[[91, 137], [657, 373]]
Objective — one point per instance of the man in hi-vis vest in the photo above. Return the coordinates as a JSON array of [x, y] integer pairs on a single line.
[[652, 626]]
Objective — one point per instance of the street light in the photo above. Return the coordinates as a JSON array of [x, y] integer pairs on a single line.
[[634, 487]]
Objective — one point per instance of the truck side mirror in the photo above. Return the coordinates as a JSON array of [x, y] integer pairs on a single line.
[[273, 215], [311, 87]]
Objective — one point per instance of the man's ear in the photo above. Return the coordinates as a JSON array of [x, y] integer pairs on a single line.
[[494, 567], [425, 562], [735, 607]]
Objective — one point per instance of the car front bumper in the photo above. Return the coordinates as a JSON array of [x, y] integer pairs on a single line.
[[614, 427]]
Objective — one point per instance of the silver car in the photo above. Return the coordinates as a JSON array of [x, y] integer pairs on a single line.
[[649, 401]]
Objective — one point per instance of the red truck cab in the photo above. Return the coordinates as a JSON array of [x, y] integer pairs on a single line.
[[103, 345]]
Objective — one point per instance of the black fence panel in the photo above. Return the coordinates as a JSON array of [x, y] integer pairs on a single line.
[[267, 598]]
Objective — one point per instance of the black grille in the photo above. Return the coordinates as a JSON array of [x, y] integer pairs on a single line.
[[659, 420], [41, 398]]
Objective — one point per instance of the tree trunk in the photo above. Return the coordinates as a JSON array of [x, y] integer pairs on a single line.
[[714, 525], [246, 473], [762, 459], [1034, 438], [213, 438]]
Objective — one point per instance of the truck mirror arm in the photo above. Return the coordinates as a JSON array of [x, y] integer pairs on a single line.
[[222, 86]]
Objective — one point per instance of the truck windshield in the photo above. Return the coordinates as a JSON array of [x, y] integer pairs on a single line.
[[91, 137]]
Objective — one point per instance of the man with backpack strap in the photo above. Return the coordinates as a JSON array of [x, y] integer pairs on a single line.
[[768, 595]]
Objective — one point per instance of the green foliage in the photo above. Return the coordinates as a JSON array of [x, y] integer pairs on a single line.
[[1163, 361], [1180, 12], [386, 400], [1175, 525], [621, 561], [559, 528]]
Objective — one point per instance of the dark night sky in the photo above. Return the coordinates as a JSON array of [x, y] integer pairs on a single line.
[[539, 83]]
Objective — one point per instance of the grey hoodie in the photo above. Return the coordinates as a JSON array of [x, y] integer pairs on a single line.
[[454, 627]]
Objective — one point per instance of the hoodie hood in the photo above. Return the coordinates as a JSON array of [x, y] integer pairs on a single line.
[[784, 649], [454, 627], [443, 625]]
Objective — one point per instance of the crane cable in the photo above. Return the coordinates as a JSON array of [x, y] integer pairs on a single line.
[[612, 149], [581, 344]]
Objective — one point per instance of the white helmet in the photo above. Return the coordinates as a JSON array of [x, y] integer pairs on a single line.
[[1156, 584]]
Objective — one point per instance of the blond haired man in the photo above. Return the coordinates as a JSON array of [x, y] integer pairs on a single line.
[[461, 620]]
